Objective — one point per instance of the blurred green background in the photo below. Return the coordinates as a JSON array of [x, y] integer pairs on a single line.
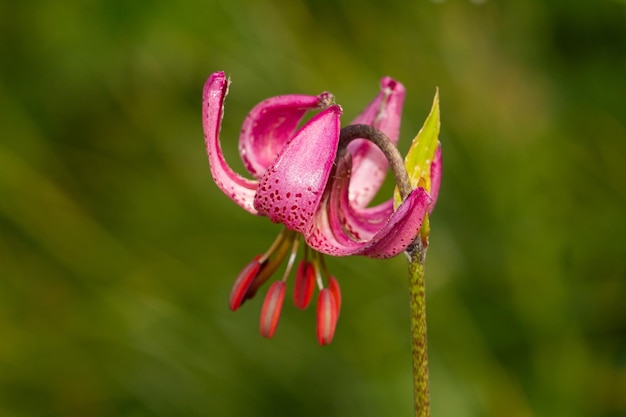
[[117, 251]]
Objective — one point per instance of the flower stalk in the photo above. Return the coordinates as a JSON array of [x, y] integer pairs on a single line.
[[416, 254]]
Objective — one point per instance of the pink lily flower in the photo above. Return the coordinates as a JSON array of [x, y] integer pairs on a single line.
[[299, 181]]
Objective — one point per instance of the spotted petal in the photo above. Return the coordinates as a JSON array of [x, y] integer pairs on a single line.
[[292, 187], [270, 124], [241, 190], [369, 165]]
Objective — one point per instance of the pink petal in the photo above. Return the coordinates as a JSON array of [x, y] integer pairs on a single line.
[[270, 124], [402, 228], [329, 236], [241, 190], [292, 187], [369, 164], [358, 223], [435, 177]]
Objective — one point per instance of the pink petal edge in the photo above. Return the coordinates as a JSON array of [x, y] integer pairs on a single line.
[[241, 190], [369, 165], [435, 177], [270, 124], [328, 236]]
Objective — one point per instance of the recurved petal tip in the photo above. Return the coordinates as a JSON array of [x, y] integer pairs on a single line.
[[241, 190], [369, 165], [270, 124]]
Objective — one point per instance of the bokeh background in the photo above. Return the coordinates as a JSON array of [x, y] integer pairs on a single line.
[[117, 251]]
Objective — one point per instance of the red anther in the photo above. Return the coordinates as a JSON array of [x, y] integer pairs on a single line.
[[333, 286], [271, 309], [242, 283], [326, 316], [305, 285]]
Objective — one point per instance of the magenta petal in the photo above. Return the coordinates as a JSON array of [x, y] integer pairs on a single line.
[[435, 177], [270, 124], [292, 187], [369, 165], [402, 228], [241, 190], [351, 224], [359, 224], [328, 236]]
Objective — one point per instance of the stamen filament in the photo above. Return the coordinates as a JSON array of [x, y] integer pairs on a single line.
[[292, 259], [323, 266], [273, 258], [277, 242], [316, 267]]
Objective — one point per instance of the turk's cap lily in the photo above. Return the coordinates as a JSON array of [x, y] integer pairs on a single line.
[[301, 178]]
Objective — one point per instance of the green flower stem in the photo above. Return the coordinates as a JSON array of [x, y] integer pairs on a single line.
[[419, 347]]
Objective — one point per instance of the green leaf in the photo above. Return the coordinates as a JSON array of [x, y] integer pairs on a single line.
[[420, 155]]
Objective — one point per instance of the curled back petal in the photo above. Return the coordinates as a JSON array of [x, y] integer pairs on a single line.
[[401, 229], [293, 185], [327, 235], [366, 225], [241, 190], [270, 124], [369, 164]]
